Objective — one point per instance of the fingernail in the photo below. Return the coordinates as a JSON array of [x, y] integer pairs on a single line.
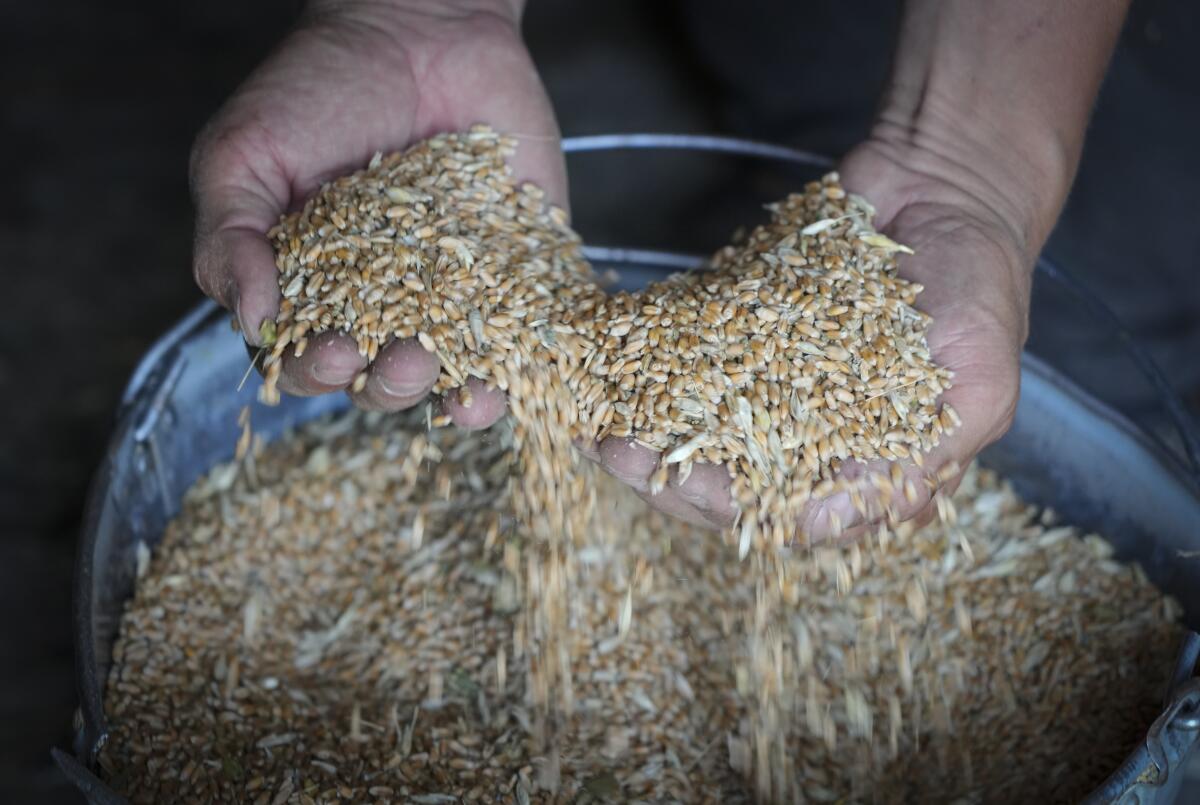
[[590, 450], [837, 514], [403, 389], [334, 375], [693, 496], [626, 477], [249, 331]]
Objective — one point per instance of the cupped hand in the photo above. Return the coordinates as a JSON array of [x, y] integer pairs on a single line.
[[973, 258], [355, 79]]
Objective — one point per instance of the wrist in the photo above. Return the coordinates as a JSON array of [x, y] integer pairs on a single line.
[[1019, 167], [995, 99], [509, 10]]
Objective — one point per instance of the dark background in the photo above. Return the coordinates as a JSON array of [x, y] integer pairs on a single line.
[[101, 102]]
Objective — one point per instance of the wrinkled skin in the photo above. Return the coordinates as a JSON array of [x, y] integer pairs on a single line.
[[976, 279], [374, 77], [343, 86]]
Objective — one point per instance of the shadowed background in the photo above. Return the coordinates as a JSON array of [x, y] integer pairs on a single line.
[[101, 101]]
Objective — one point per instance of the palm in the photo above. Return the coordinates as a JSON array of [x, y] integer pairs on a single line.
[[375, 78], [977, 331], [975, 290], [340, 89]]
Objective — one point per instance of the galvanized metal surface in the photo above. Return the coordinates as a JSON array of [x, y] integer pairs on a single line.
[[1065, 449]]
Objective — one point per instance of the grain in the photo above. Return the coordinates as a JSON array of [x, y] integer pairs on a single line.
[[439, 243], [800, 352], [385, 660]]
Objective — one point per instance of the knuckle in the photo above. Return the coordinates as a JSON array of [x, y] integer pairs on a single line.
[[209, 272], [200, 277], [227, 147], [1008, 408], [203, 271], [209, 152], [1005, 395], [198, 153]]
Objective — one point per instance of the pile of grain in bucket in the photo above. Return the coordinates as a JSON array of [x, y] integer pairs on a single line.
[[801, 350], [332, 618]]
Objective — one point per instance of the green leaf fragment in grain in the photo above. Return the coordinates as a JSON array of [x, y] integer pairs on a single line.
[[601, 788], [231, 768], [461, 684]]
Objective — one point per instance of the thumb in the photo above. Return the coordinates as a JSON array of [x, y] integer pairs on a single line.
[[236, 267], [236, 204]]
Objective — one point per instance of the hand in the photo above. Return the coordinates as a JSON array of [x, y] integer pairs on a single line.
[[974, 258], [354, 79], [970, 161]]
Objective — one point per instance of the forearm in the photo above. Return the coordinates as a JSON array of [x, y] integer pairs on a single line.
[[438, 8], [1003, 90]]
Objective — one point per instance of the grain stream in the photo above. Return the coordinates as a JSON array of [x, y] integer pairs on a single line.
[[800, 350]]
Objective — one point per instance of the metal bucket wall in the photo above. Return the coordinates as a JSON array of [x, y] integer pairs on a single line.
[[1065, 450]]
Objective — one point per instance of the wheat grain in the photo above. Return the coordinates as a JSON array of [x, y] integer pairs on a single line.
[[386, 666], [800, 351]]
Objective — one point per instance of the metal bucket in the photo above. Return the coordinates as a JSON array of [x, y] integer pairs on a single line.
[[1065, 450]]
